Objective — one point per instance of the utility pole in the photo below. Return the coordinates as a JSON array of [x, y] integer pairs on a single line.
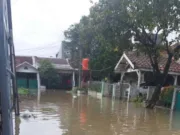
[[80, 66]]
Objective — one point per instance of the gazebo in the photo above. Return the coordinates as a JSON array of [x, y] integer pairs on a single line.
[[135, 68]]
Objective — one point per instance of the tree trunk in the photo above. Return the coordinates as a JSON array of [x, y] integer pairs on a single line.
[[154, 98], [160, 79]]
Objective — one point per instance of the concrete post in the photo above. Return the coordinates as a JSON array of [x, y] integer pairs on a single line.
[[113, 92], [139, 78], [121, 81], [102, 88], [129, 93], [174, 93], [73, 80]]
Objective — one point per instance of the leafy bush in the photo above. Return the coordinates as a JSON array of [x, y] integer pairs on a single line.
[[167, 94], [49, 75], [138, 99]]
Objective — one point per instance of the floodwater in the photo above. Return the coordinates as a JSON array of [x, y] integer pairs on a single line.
[[58, 113]]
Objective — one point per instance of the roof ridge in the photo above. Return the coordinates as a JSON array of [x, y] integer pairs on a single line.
[[50, 58], [23, 56]]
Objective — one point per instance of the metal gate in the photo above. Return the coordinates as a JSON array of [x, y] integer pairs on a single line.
[[121, 91]]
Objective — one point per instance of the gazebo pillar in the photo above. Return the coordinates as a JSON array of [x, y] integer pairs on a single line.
[[139, 78], [122, 76], [121, 81]]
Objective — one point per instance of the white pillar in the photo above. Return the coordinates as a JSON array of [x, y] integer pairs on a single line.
[[129, 92], [102, 88], [73, 80], [174, 93], [122, 76], [139, 78], [39, 87], [121, 81], [113, 92]]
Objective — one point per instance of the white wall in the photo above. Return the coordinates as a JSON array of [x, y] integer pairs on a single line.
[[29, 70]]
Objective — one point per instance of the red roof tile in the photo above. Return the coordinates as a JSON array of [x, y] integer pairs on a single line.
[[142, 61], [22, 59], [53, 60]]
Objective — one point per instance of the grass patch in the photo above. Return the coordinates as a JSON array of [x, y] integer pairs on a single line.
[[23, 91]]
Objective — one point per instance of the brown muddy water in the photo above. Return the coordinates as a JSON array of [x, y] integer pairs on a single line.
[[58, 113]]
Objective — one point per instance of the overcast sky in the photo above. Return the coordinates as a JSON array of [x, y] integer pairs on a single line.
[[38, 25]]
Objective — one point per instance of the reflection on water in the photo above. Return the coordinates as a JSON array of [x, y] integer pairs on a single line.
[[58, 113]]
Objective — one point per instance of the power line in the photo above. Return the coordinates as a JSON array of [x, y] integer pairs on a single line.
[[33, 49], [103, 69], [42, 47]]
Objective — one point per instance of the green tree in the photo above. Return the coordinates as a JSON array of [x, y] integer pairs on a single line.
[[48, 74], [151, 23], [101, 37], [117, 25]]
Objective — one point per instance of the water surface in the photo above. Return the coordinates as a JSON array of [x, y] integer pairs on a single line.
[[58, 113]]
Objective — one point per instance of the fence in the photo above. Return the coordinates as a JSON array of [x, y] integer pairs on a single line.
[[107, 89], [95, 86], [170, 97], [103, 88], [115, 90], [120, 91]]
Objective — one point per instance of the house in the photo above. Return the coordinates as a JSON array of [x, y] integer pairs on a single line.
[[135, 69], [28, 74]]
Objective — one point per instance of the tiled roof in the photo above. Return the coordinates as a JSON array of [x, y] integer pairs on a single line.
[[29, 59], [21, 59], [53, 60], [142, 61]]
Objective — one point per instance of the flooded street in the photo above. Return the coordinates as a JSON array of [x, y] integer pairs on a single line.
[[58, 113]]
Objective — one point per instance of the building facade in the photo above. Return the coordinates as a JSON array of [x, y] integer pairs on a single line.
[[28, 74]]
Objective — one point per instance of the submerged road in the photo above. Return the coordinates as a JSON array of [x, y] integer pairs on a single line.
[[58, 113]]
